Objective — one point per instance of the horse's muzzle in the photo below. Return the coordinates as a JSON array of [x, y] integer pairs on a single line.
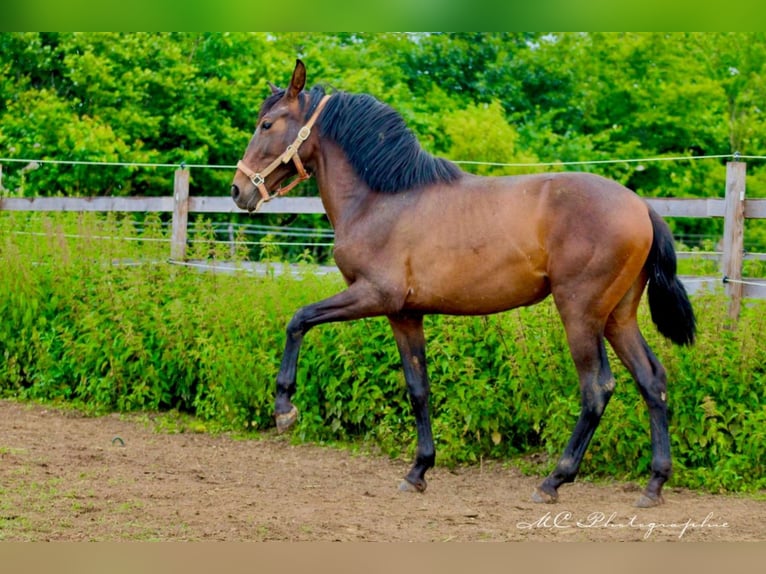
[[242, 200]]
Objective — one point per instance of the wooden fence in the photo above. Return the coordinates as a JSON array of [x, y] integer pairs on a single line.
[[734, 208]]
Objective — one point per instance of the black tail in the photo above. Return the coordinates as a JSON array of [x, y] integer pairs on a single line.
[[668, 302]]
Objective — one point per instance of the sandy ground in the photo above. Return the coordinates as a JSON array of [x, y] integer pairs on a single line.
[[66, 477]]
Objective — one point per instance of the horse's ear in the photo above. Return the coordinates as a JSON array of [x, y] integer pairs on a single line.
[[273, 88], [298, 81]]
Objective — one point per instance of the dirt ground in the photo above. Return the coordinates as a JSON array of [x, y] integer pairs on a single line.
[[67, 477]]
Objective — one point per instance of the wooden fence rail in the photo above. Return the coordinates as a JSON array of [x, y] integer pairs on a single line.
[[734, 208]]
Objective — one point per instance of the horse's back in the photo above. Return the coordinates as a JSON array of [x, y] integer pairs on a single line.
[[547, 211], [486, 244], [567, 191]]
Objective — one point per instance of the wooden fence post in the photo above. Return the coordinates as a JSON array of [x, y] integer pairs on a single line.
[[734, 234], [180, 215]]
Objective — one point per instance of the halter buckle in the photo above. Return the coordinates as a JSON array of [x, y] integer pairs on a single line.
[[304, 133]]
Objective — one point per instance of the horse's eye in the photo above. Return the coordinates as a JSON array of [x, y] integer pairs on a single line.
[[266, 125]]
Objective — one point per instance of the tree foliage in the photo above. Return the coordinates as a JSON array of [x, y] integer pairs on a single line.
[[191, 98]]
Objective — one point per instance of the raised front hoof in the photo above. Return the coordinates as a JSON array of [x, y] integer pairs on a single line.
[[286, 420], [649, 501], [407, 486], [541, 496]]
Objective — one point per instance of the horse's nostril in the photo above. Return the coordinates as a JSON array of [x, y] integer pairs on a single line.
[[234, 192]]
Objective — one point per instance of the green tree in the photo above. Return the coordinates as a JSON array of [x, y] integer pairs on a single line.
[[480, 130], [561, 97]]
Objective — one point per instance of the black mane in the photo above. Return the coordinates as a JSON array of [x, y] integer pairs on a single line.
[[381, 148]]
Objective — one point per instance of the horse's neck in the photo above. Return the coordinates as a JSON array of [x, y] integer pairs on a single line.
[[344, 195]]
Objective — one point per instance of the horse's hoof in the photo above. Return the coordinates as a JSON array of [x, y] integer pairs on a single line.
[[647, 501], [542, 497], [407, 486], [286, 420]]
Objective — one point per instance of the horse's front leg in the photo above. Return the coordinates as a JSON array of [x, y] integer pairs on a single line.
[[408, 331], [358, 301]]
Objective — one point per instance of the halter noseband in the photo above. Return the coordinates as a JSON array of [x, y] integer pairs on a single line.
[[291, 153]]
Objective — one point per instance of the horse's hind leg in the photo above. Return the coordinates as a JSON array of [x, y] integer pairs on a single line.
[[408, 332], [649, 374], [596, 386]]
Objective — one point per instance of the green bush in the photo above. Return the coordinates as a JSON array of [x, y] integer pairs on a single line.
[[92, 314]]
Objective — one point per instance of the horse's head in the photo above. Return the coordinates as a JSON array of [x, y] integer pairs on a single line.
[[273, 152]]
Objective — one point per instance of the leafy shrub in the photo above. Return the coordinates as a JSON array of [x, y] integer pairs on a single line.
[[90, 313]]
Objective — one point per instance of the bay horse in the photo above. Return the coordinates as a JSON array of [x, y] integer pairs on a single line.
[[415, 235]]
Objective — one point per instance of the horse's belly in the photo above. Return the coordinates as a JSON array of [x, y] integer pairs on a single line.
[[476, 289]]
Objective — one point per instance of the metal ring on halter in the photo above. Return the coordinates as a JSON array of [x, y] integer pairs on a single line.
[[257, 179]]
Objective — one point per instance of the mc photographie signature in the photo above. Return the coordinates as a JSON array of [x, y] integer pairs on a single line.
[[564, 520]]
